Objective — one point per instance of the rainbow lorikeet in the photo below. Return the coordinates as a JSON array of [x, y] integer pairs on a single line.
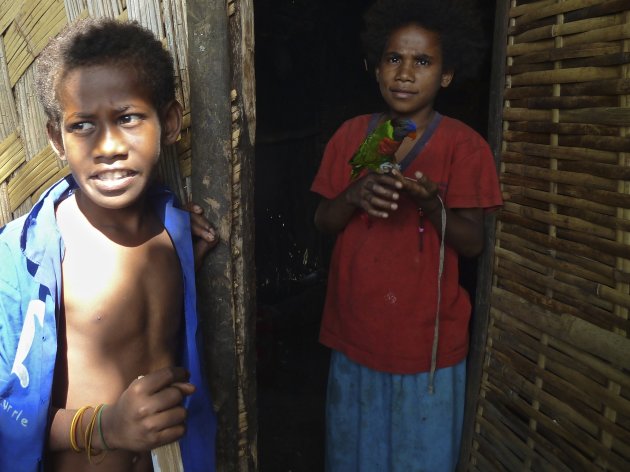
[[377, 151]]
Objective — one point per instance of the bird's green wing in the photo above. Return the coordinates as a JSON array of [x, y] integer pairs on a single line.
[[367, 156]]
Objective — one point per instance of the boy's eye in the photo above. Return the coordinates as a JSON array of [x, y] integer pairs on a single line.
[[423, 61], [82, 127], [130, 119]]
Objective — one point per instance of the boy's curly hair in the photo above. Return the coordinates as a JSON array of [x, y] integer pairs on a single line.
[[456, 21], [98, 41]]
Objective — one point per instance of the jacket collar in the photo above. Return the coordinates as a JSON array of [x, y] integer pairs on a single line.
[[41, 242]]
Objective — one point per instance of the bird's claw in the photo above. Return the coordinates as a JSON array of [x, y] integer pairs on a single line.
[[387, 167]]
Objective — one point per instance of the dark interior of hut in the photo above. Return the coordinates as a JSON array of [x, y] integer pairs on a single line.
[[310, 78]]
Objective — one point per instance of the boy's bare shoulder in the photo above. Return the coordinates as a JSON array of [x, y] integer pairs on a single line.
[[79, 227]]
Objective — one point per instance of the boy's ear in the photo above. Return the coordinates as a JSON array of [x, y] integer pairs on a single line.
[[171, 122], [54, 138], [447, 78]]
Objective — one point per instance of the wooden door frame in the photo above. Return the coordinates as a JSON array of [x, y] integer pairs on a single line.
[[479, 325], [220, 45]]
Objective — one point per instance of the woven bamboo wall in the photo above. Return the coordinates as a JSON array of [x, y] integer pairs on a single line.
[[555, 386], [27, 163]]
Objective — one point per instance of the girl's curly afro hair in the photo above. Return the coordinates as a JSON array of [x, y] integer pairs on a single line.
[[90, 42], [456, 21]]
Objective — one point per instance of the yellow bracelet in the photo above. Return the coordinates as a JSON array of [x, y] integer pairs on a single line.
[[76, 421], [89, 433]]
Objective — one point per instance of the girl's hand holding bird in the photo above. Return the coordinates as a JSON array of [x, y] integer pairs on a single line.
[[422, 190], [375, 193]]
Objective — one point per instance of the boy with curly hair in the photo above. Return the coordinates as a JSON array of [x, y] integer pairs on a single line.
[[99, 356], [395, 315]]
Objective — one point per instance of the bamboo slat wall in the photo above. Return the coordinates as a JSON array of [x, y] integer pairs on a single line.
[[555, 385], [28, 164]]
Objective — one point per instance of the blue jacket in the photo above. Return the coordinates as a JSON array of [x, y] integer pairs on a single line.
[[31, 250]]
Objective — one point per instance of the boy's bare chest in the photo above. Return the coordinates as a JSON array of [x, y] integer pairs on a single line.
[[121, 291]]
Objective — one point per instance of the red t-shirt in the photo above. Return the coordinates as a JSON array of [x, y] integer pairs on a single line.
[[381, 299]]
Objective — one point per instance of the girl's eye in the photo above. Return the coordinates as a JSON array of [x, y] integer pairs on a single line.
[[423, 61], [392, 59], [130, 119]]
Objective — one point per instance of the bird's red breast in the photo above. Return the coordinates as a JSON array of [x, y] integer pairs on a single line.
[[388, 147]]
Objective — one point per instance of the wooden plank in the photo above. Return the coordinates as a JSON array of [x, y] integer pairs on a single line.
[[32, 176], [545, 10], [523, 114], [11, 155], [564, 352], [569, 102], [616, 59], [596, 169], [558, 176], [515, 266], [617, 116], [528, 7], [30, 32], [222, 182], [568, 28], [551, 452], [563, 153], [480, 318], [8, 11], [605, 197], [243, 119], [606, 8], [583, 383], [167, 458], [534, 282], [555, 305], [565, 128], [523, 137], [586, 336], [611, 33], [588, 50], [604, 143], [599, 87], [515, 92], [600, 269], [8, 111], [560, 76], [211, 181], [565, 421], [508, 451]]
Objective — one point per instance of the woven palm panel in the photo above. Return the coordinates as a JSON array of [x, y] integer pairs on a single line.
[[28, 165], [555, 387]]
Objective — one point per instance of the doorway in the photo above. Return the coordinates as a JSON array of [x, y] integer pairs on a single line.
[[310, 78]]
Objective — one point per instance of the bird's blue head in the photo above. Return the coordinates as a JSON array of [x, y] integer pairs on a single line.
[[403, 127]]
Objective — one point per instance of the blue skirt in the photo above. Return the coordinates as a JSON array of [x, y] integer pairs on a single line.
[[377, 421]]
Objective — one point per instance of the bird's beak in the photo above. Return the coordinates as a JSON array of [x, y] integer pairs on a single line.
[[412, 135]]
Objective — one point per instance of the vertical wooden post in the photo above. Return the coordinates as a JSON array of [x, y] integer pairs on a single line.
[[479, 326], [222, 181]]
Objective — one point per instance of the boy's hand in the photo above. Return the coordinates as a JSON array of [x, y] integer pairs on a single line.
[[149, 413], [204, 235], [377, 194]]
